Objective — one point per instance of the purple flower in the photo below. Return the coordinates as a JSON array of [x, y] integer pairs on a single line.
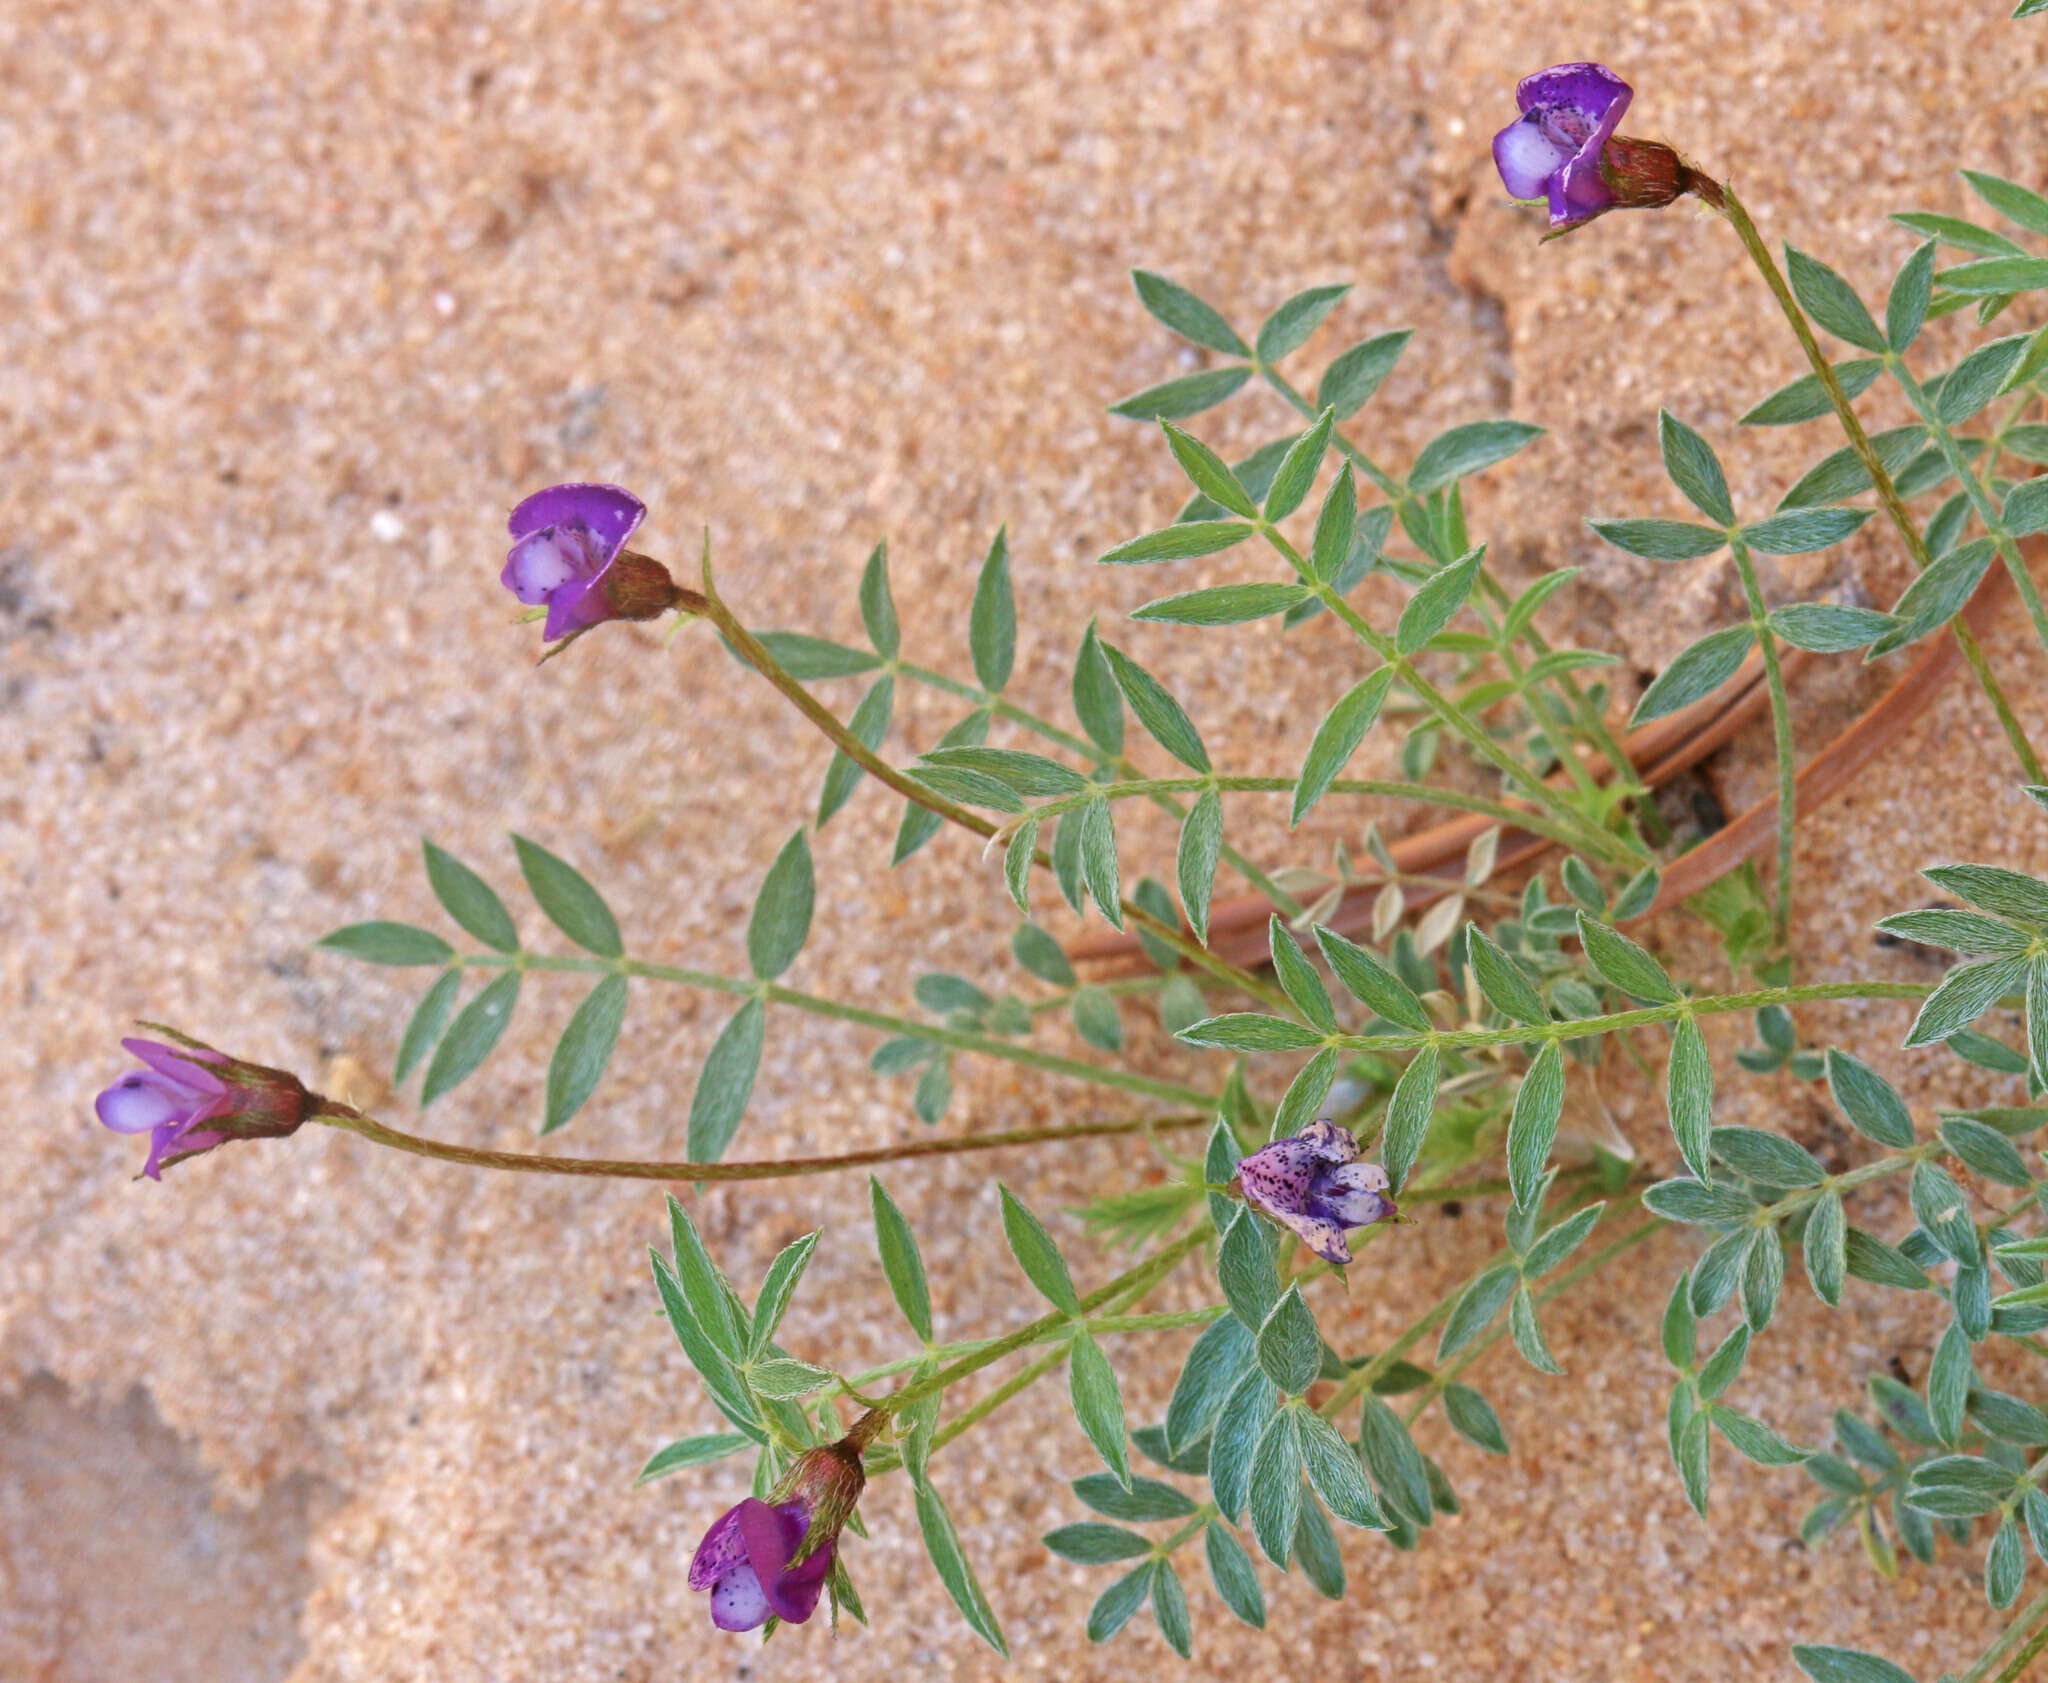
[[744, 1561], [570, 554], [771, 1559], [1569, 112], [190, 1099], [1564, 149], [1312, 1186]]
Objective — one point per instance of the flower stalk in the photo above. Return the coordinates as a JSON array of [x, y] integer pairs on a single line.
[[854, 749], [1783, 750], [1887, 492], [350, 1120]]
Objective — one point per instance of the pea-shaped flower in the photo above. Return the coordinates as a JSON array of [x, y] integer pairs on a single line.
[[1563, 149], [569, 552], [763, 1560], [1313, 1185], [191, 1098]]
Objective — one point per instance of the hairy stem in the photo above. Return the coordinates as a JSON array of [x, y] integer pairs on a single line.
[[1516, 817], [1095, 1324], [1705, 1006], [1028, 1375], [1793, 1202], [2028, 1633], [1568, 817], [982, 1407], [1781, 730], [938, 1034], [1449, 1372], [1866, 453], [857, 751], [345, 1117], [1399, 496], [1980, 497], [1360, 1379], [1134, 1282], [1092, 752]]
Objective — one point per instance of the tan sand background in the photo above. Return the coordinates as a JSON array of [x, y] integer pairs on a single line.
[[809, 274]]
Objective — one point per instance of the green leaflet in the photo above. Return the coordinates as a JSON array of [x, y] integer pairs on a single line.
[[469, 900], [584, 1050], [726, 1082], [902, 1262], [1287, 329], [574, 907], [950, 1561], [1179, 310], [1337, 739], [1349, 382], [992, 623], [470, 1038]]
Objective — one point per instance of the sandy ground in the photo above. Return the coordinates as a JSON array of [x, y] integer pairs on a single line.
[[301, 299]]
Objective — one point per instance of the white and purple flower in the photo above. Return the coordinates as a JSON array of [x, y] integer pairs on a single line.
[[1569, 113], [1563, 149], [763, 1560], [569, 553], [744, 1561], [190, 1098], [1313, 1185]]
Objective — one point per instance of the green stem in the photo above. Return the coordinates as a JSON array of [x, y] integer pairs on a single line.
[[1360, 1379], [858, 751], [1560, 739], [1133, 1283], [1398, 495], [1198, 1522], [1781, 730], [1096, 1324], [1448, 1373], [1704, 1006], [1980, 497], [938, 1034], [1792, 1203], [1515, 817], [980, 1409], [1056, 1328], [1866, 453], [1561, 811], [1063, 1000], [1117, 1295], [354, 1122], [1556, 731], [1122, 764], [2028, 1632]]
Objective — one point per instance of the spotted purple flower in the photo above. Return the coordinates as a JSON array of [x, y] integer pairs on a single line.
[[744, 1563], [1568, 114], [190, 1098], [746, 1558], [1564, 149], [570, 553], [1312, 1185]]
